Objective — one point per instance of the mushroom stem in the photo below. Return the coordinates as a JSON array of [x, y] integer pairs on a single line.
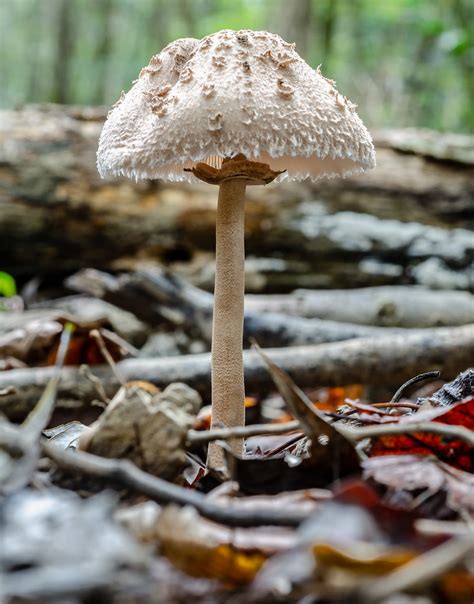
[[228, 391]]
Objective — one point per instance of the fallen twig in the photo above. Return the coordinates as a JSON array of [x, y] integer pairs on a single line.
[[95, 333], [22, 442], [127, 474], [428, 375], [356, 434], [387, 360], [379, 407], [197, 437]]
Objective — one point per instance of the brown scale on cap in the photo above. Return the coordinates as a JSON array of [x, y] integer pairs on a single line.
[[309, 103], [219, 61], [215, 122], [249, 116], [208, 90], [285, 90], [243, 39], [186, 75]]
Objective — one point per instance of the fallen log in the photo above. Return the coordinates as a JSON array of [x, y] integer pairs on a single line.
[[390, 360], [54, 205]]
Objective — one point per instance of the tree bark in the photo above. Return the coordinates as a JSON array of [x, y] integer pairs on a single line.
[[390, 360]]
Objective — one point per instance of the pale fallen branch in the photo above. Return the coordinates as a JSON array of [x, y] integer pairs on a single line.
[[401, 306], [152, 293], [388, 360]]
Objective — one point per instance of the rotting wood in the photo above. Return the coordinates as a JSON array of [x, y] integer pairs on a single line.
[[389, 360]]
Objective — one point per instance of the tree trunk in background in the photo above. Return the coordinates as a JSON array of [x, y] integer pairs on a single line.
[[103, 50], [463, 12], [186, 13], [328, 26], [294, 23], [62, 60], [35, 31], [58, 215]]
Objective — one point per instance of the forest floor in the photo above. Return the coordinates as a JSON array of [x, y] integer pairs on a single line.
[[356, 482], [349, 491]]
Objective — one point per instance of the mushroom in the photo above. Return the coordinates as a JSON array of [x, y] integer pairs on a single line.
[[236, 108]]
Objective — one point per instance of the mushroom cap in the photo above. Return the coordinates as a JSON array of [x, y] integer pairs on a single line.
[[233, 92]]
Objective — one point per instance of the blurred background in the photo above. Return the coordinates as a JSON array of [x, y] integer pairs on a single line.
[[408, 64], [405, 62], [391, 236]]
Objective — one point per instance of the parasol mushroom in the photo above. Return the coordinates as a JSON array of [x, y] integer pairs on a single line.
[[236, 108]]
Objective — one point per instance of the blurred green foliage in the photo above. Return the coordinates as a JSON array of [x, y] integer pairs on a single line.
[[405, 62], [7, 285]]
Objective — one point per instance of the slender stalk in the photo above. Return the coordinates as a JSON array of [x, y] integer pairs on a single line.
[[227, 328]]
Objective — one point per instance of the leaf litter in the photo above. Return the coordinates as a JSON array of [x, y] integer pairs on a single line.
[[324, 504]]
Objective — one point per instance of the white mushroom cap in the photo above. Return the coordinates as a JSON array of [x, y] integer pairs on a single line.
[[233, 92]]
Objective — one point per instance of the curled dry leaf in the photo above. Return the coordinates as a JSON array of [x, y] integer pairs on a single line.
[[412, 473], [149, 429], [37, 342], [328, 456], [66, 435]]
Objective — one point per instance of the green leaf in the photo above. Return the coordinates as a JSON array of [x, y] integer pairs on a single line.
[[7, 285]]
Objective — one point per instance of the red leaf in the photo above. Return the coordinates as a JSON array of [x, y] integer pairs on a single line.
[[453, 451]]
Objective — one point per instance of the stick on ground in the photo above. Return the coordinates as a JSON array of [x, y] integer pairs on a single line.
[[390, 360]]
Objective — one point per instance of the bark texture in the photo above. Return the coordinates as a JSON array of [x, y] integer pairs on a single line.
[[392, 306]]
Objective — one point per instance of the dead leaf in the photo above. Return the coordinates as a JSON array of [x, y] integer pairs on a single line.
[[330, 450], [412, 473], [204, 549], [148, 429], [455, 452]]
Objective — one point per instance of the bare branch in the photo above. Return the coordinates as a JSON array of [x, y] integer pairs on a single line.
[[127, 474], [197, 437], [356, 434]]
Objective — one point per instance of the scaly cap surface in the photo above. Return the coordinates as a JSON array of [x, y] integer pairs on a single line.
[[233, 92]]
